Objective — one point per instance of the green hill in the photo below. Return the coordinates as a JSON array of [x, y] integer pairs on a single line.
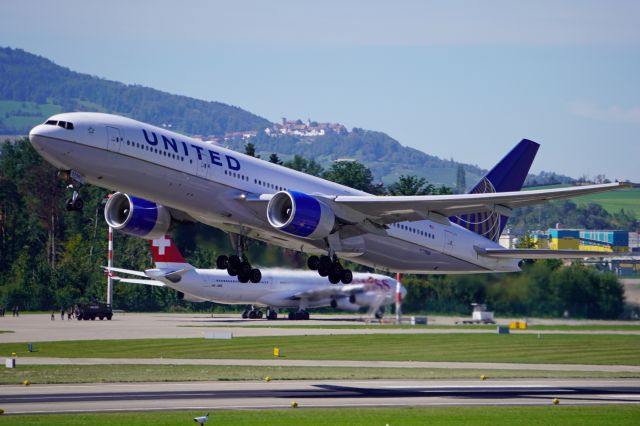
[[33, 88]]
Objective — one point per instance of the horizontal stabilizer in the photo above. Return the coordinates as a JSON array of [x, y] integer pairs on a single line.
[[543, 253], [139, 281]]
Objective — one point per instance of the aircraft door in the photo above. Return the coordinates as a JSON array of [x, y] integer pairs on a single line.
[[202, 166], [449, 241], [114, 137]]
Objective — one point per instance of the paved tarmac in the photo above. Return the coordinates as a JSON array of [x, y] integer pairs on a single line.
[[211, 396], [38, 328], [282, 362]]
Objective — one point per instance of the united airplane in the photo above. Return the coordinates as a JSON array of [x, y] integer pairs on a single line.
[[162, 177], [278, 288]]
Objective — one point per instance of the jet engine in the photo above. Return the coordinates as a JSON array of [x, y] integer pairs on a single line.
[[300, 214], [136, 216], [344, 305], [367, 298]]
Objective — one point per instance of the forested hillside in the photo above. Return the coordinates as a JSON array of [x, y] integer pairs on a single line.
[[38, 88], [33, 88]]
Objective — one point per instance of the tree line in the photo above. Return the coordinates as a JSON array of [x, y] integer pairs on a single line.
[[51, 258]]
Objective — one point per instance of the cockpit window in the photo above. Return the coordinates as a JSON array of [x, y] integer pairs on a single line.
[[65, 125], [51, 122]]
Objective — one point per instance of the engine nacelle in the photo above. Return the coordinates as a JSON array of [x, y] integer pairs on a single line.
[[367, 298], [344, 305], [136, 216], [299, 214]]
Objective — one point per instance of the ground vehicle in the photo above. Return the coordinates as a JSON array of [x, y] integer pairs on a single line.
[[91, 311]]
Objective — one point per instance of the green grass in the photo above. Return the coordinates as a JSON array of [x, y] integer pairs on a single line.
[[611, 201], [51, 374], [614, 201], [618, 415], [10, 113], [453, 328], [514, 348]]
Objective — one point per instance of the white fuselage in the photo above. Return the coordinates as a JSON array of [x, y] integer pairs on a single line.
[[211, 184], [282, 288]]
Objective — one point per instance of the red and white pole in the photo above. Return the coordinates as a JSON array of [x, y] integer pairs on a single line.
[[109, 266], [398, 299]]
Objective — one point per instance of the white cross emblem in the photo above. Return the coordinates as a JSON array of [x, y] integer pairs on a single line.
[[162, 243]]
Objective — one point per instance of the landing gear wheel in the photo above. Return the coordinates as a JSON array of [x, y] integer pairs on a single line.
[[245, 269], [322, 271], [222, 262], [334, 278], [69, 205], [325, 263], [253, 314], [346, 276], [255, 275], [234, 260], [232, 270], [313, 262], [336, 269], [78, 204], [245, 315], [259, 314], [272, 315], [243, 277]]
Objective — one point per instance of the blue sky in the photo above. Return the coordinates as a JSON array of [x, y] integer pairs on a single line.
[[457, 79]]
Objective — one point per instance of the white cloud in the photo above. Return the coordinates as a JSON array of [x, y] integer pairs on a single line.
[[613, 113]]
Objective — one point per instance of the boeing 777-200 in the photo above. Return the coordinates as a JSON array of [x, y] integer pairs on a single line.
[[164, 177], [278, 288]]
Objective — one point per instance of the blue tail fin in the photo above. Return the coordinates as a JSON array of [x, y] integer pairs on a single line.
[[506, 176]]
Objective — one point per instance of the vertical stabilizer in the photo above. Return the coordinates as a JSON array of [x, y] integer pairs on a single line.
[[506, 176], [166, 254]]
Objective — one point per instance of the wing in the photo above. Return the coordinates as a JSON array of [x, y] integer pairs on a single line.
[[544, 253], [389, 209], [381, 210], [125, 271], [328, 291]]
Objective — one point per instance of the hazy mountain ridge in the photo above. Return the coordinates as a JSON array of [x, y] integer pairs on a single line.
[[33, 88]]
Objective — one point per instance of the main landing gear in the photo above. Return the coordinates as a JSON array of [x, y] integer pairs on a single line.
[[253, 313], [299, 315], [237, 264], [327, 267]]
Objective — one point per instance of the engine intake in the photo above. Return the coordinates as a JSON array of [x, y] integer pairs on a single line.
[[136, 216], [299, 214]]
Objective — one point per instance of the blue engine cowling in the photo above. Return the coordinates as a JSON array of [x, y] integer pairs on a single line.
[[299, 214], [137, 217]]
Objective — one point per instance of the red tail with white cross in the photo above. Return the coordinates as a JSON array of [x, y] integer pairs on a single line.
[[164, 250]]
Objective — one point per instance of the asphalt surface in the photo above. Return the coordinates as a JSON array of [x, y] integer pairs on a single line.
[[210, 396], [283, 362], [39, 328]]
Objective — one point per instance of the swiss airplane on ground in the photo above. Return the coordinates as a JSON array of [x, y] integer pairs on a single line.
[[165, 177], [278, 288]]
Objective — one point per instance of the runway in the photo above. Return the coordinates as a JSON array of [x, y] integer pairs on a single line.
[[261, 395]]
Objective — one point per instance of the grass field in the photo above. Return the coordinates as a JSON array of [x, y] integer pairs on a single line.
[[21, 115], [453, 328], [615, 415], [50, 374], [529, 348], [613, 201]]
